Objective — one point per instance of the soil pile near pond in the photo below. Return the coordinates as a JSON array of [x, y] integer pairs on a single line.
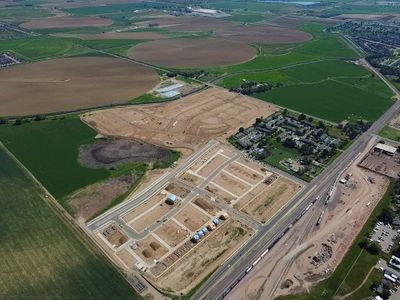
[[109, 153]]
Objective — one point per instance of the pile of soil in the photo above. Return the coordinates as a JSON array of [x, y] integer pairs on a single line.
[[110, 153]]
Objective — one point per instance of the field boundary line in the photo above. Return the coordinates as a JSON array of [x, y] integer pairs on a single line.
[[360, 286], [344, 279]]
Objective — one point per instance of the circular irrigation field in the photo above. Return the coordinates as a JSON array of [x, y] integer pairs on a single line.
[[193, 53], [70, 84]]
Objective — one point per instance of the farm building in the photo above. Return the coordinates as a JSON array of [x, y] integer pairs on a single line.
[[386, 149]]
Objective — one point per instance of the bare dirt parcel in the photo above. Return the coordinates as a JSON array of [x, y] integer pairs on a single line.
[[70, 84], [42, 258]]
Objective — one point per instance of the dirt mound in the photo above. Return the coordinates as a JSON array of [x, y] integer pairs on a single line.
[[71, 83], [112, 152], [205, 205], [191, 53], [147, 253], [66, 22], [155, 246]]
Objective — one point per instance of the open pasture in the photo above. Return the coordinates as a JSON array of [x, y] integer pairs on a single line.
[[42, 256], [71, 84], [192, 53]]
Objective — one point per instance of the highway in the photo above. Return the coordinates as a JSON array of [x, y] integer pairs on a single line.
[[234, 269]]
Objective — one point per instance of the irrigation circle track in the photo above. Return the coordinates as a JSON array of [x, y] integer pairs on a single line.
[[193, 53], [71, 83]]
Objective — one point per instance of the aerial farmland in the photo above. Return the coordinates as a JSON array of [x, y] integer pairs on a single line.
[[201, 150]]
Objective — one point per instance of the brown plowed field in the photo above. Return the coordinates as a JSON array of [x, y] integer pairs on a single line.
[[66, 22], [192, 53], [184, 124], [115, 36], [70, 84], [262, 33]]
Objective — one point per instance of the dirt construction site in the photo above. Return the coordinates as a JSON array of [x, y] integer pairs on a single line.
[[312, 252], [188, 222], [185, 124]]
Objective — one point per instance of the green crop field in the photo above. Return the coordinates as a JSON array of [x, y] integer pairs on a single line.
[[41, 47], [306, 73], [42, 258], [323, 46], [331, 100], [49, 149], [22, 14], [325, 69], [390, 133]]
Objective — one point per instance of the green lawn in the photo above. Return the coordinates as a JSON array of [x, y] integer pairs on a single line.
[[390, 133], [353, 268], [49, 149], [365, 290], [331, 100], [42, 258]]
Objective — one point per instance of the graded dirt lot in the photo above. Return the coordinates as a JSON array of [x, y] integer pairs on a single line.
[[115, 36], [271, 199], [192, 53], [184, 124], [126, 257], [70, 84], [138, 210], [205, 257], [192, 218], [172, 233], [66, 22], [261, 33], [220, 194], [244, 173], [210, 166], [150, 248], [151, 217], [117, 151], [231, 184]]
